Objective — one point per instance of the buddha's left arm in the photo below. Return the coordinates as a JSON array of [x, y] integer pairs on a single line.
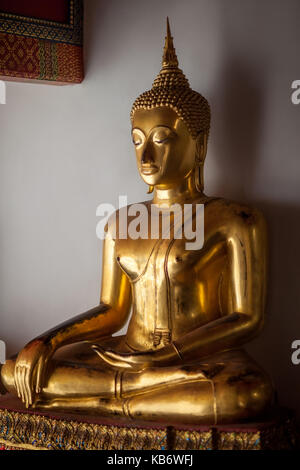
[[246, 241]]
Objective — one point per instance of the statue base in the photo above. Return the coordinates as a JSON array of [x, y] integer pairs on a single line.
[[22, 429]]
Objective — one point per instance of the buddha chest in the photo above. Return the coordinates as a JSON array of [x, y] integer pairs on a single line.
[[174, 289]]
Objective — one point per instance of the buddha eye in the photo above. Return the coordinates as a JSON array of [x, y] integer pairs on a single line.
[[162, 136], [137, 137], [161, 141]]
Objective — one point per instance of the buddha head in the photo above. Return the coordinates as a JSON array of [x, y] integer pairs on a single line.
[[170, 127]]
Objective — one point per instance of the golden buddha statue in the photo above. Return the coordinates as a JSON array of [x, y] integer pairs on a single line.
[[181, 359]]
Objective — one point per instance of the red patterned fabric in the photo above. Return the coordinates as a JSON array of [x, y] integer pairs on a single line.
[[19, 56], [55, 10], [29, 58], [38, 49], [69, 60]]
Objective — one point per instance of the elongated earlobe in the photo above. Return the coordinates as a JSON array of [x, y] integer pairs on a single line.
[[201, 149], [199, 181], [150, 189]]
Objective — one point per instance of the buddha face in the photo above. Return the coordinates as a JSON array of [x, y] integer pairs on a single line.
[[165, 150]]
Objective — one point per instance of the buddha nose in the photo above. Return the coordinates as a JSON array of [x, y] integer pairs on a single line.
[[147, 156]]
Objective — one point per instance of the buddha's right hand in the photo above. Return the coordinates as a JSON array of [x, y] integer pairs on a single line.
[[30, 369]]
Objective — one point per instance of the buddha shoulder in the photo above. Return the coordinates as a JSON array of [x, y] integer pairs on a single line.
[[233, 217]]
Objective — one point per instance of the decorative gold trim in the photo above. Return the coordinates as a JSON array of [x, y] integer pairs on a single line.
[[35, 432], [40, 21], [20, 446], [41, 432], [193, 440], [240, 440]]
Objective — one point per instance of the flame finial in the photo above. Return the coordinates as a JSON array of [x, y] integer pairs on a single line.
[[169, 55]]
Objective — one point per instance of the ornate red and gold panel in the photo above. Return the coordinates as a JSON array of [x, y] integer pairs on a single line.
[[41, 40]]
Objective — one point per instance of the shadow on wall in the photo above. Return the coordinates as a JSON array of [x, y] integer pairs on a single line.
[[237, 150], [237, 126], [273, 347]]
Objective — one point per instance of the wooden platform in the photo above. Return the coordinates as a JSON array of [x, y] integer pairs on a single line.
[[36, 430]]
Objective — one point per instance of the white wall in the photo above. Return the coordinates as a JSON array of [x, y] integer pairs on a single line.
[[66, 149]]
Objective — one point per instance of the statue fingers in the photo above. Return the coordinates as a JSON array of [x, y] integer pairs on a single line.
[[21, 381], [110, 360], [134, 361], [27, 388], [117, 357], [139, 358], [16, 380], [25, 373], [40, 375]]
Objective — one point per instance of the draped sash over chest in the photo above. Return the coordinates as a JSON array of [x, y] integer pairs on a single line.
[[152, 323], [155, 276]]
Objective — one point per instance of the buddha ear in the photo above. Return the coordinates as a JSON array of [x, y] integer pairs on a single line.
[[201, 147], [201, 150]]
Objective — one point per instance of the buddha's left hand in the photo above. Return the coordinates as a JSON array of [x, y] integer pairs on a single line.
[[139, 360]]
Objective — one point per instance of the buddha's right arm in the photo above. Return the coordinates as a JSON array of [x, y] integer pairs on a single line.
[[105, 319], [102, 320]]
